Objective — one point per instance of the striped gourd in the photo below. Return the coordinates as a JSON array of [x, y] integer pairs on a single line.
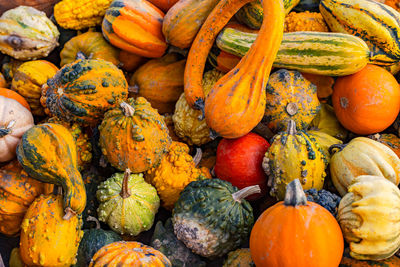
[[332, 54], [377, 24]]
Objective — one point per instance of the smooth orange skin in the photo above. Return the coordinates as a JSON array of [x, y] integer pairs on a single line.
[[3, 82], [302, 236], [372, 96], [14, 95]]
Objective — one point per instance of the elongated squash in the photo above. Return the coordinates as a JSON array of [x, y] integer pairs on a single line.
[[332, 54]]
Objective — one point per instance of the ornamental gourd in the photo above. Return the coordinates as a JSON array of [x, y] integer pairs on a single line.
[[221, 60], [127, 203], [129, 253], [290, 97], [15, 120], [134, 136], [305, 22], [47, 152], [29, 79], [362, 156], [389, 140], [367, 219], [135, 26], [348, 261], [294, 155], [212, 217], [46, 238], [325, 141], [307, 234], [326, 122], [14, 95], [84, 90], [239, 258], [27, 33]]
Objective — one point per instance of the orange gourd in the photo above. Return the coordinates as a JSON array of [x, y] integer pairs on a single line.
[[130, 62], [389, 140], [3, 82], [14, 95]]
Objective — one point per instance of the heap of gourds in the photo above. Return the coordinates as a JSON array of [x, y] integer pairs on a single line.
[[255, 134]]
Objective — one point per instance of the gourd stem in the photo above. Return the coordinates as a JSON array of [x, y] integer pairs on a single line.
[[93, 219], [292, 109], [6, 130], [245, 192], [213, 134], [125, 189], [129, 111], [291, 127], [198, 156], [69, 213], [80, 55], [337, 146], [295, 195], [263, 130], [134, 89]]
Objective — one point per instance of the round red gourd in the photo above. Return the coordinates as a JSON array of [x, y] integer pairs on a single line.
[[239, 161]]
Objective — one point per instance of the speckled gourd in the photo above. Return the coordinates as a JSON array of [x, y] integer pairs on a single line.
[[239, 258]]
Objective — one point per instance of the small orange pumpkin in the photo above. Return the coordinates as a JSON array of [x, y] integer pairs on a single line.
[[14, 95]]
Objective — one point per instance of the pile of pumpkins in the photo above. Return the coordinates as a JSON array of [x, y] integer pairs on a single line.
[[177, 133]]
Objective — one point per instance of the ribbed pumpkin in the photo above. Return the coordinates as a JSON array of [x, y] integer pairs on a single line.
[[90, 45], [362, 156], [326, 121], [127, 203], [46, 238], [389, 140], [135, 26], [348, 261], [367, 218], [212, 217], [160, 81], [84, 90], [27, 33], [187, 124], [176, 170], [134, 136], [129, 254], [14, 95], [294, 154], [47, 152], [290, 97], [239, 258], [29, 79], [17, 192]]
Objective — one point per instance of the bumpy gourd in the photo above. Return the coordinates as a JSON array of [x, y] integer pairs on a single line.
[[84, 90], [26, 33], [389, 140], [325, 121], [134, 136], [176, 170], [46, 238], [368, 217], [239, 258], [29, 79], [70, 14], [47, 152], [325, 141], [305, 22], [348, 261], [127, 203], [212, 217], [294, 155]]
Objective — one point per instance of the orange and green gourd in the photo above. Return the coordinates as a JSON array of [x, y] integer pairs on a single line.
[[389, 140], [239, 258]]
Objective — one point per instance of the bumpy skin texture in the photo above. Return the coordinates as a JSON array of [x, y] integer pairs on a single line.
[[136, 140], [325, 141], [92, 45], [70, 14], [130, 215], [325, 198], [84, 90], [239, 258], [325, 121], [208, 220], [367, 207], [46, 238], [26, 33], [29, 79], [47, 152], [363, 156], [348, 261], [129, 254], [305, 22]]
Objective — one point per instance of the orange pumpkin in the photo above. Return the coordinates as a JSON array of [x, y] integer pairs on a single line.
[[295, 232], [368, 101], [14, 95]]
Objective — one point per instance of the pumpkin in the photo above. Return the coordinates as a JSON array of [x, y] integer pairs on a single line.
[[17, 192], [389, 140], [325, 121], [362, 156], [348, 261], [84, 90], [239, 162], [29, 79], [176, 170], [239, 258], [367, 219], [290, 97], [15, 120], [368, 101], [164, 5], [307, 234], [165, 241], [135, 26], [129, 253], [90, 45], [184, 19], [325, 141], [134, 136], [15, 259], [130, 62], [212, 217], [46, 238], [294, 154], [27, 33], [160, 81], [187, 125], [47, 152], [127, 203], [14, 95], [304, 22], [324, 84]]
